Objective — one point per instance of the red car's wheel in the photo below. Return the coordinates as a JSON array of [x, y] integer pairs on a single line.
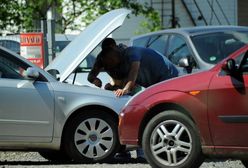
[[170, 140]]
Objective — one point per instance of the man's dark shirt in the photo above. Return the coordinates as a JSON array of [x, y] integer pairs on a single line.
[[154, 67]]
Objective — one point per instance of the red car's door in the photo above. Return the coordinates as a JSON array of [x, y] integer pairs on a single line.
[[228, 107]]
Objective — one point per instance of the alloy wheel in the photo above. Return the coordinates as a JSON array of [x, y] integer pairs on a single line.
[[171, 143], [93, 138]]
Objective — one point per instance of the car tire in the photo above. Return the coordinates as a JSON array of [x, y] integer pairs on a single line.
[[245, 163], [171, 140], [92, 137], [54, 156]]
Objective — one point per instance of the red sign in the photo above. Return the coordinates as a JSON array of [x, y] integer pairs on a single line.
[[32, 47]]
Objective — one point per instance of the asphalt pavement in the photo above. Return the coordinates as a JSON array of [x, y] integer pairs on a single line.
[[34, 160]]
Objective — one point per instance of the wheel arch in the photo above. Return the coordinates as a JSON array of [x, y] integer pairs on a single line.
[[159, 108]]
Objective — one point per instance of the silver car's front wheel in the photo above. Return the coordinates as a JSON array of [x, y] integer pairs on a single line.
[[170, 140], [91, 136]]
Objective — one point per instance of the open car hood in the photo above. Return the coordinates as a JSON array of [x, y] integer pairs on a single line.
[[69, 59]]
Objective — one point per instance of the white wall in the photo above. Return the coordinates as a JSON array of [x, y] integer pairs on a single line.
[[132, 24]]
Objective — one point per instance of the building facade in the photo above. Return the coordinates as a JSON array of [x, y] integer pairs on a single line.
[[189, 13]]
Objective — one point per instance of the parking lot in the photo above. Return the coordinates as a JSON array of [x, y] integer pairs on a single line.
[[33, 159]]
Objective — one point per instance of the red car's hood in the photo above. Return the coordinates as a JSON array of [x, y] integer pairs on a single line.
[[195, 82]]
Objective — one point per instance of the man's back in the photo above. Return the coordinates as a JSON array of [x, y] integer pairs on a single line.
[[154, 67]]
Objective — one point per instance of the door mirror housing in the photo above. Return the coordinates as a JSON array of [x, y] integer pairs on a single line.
[[32, 73], [183, 62], [230, 66], [54, 73]]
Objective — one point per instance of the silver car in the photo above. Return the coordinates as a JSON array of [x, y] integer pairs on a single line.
[[57, 119], [197, 48]]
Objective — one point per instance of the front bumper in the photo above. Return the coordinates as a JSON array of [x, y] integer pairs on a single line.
[[130, 120]]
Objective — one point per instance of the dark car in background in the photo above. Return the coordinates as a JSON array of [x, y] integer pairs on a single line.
[[197, 48]]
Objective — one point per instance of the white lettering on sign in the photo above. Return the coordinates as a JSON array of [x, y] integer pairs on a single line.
[[31, 39]]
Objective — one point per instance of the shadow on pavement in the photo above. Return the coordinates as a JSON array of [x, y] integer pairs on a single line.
[[114, 161]]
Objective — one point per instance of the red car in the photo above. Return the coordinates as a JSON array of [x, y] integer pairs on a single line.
[[179, 121]]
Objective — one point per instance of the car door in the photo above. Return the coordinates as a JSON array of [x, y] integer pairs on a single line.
[[228, 107], [179, 49], [26, 106]]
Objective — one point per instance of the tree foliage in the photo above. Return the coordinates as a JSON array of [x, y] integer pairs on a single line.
[[16, 15]]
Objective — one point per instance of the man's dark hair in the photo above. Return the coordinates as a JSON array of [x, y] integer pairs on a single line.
[[108, 42], [106, 51]]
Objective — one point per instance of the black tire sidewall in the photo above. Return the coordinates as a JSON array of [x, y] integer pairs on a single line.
[[68, 141], [195, 158], [245, 163]]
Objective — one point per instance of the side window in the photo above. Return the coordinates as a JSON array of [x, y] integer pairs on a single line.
[[245, 65], [158, 43], [60, 45], [141, 42], [11, 45], [11, 68], [178, 49], [242, 59]]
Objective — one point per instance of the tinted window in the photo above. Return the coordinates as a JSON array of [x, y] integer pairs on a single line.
[[11, 67], [242, 59], [11, 45], [177, 49], [214, 47], [60, 45], [158, 43], [141, 42]]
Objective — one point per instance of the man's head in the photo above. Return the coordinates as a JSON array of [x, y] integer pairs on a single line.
[[108, 42], [111, 58]]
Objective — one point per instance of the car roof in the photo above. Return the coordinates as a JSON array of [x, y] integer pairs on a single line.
[[192, 31], [209, 29]]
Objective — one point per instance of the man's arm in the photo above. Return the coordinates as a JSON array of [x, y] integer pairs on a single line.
[[92, 77], [132, 76]]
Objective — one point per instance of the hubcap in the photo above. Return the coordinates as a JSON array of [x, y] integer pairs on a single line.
[[93, 138], [171, 143]]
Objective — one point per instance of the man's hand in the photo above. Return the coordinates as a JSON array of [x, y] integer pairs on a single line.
[[97, 82], [120, 92]]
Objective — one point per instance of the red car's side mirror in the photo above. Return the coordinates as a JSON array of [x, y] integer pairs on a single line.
[[229, 66]]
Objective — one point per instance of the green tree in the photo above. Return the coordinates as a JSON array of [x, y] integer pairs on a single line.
[[26, 14], [10, 14]]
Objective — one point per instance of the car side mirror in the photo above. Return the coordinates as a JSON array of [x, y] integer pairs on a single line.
[[229, 66], [183, 62], [54, 73], [32, 73]]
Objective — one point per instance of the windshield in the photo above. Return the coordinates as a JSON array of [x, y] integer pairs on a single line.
[[214, 47]]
